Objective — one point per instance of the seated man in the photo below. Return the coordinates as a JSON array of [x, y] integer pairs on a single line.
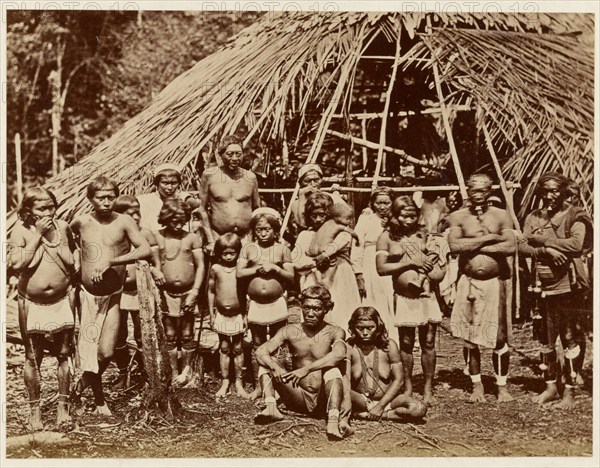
[[315, 384], [376, 371]]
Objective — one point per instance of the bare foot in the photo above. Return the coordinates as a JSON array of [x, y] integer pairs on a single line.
[[183, 378], [270, 414], [333, 430], [240, 390], [194, 382], [255, 394], [551, 393], [345, 429], [103, 410], [428, 397], [477, 395], [503, 394], [568, 400], [223, 390], [35, 419], [62, 413]]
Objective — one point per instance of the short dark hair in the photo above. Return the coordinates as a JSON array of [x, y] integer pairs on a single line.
[[272, 220], [230, 140], [167, 173], [125, 202], [229, 239], [102, 183], [32, 195], [562, 181], [171, 208], [317, 291]]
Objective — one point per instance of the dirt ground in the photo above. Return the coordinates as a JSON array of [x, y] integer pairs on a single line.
[[206, 428]]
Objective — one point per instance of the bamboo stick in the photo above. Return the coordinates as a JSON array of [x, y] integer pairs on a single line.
[[389, 149], [19, 167], [453, 153], [507, 197], [374, 115], [386, 109]]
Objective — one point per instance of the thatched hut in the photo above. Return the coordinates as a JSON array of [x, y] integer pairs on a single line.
[[297, 84]]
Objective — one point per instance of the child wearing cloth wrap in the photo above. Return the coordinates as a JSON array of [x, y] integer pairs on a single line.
[[556, 236], [227, 310], [483, 237], [182, 264], [41, 250], [265, 266]]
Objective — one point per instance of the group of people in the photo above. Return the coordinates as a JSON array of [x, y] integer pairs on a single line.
[[355, 285]]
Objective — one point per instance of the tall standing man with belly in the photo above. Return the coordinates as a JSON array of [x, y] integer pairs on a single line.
[[228, 194], [483, 237]]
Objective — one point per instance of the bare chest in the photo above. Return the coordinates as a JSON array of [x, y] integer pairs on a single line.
[[227, 189]]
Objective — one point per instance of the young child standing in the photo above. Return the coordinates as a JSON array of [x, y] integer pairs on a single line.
[[227, 310], [130, 305], [41, 250], [182, 264], [265, 264], [105, 240]]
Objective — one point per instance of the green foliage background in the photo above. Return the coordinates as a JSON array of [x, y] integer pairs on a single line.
[[118, 61]]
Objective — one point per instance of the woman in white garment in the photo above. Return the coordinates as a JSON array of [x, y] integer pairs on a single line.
[[377, 291]]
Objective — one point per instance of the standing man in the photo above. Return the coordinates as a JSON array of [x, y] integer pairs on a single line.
[[228, 194], [483, 237], [556, 237], [167, 180], [105, 239], [315, 385]]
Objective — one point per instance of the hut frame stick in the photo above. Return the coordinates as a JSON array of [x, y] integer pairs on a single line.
[[453, 153], [386, 109]]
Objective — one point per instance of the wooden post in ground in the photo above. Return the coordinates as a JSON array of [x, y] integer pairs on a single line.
[[19, 168], [158, 393], [386, 109]]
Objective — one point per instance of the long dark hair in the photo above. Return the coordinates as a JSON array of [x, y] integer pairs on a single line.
[[369, 313]]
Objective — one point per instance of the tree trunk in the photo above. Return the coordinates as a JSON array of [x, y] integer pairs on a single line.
[[158, 394]]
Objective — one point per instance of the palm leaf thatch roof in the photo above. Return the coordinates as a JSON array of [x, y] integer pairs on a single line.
[[281, 79]]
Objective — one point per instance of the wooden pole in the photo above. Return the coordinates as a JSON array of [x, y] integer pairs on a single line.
[[320, 135], [19, 167], [453, 152], [507, 196], [389, 149], [386, 109]]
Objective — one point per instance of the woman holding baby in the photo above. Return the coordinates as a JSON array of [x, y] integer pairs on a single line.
[[322, 255]]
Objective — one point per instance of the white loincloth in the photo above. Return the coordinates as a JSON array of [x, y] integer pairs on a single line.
[[49, 318], [416, 312], [266, 314], [93, 313], [228, 325], [130, 300]]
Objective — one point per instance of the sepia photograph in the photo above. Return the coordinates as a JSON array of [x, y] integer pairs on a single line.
[[326, 232]]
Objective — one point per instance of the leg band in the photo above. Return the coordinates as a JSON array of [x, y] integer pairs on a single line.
[[332, 374], [571, 355], [502, 350], [501, 380], [188, 345], [270, 400], [333, 414], [476, 378]]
